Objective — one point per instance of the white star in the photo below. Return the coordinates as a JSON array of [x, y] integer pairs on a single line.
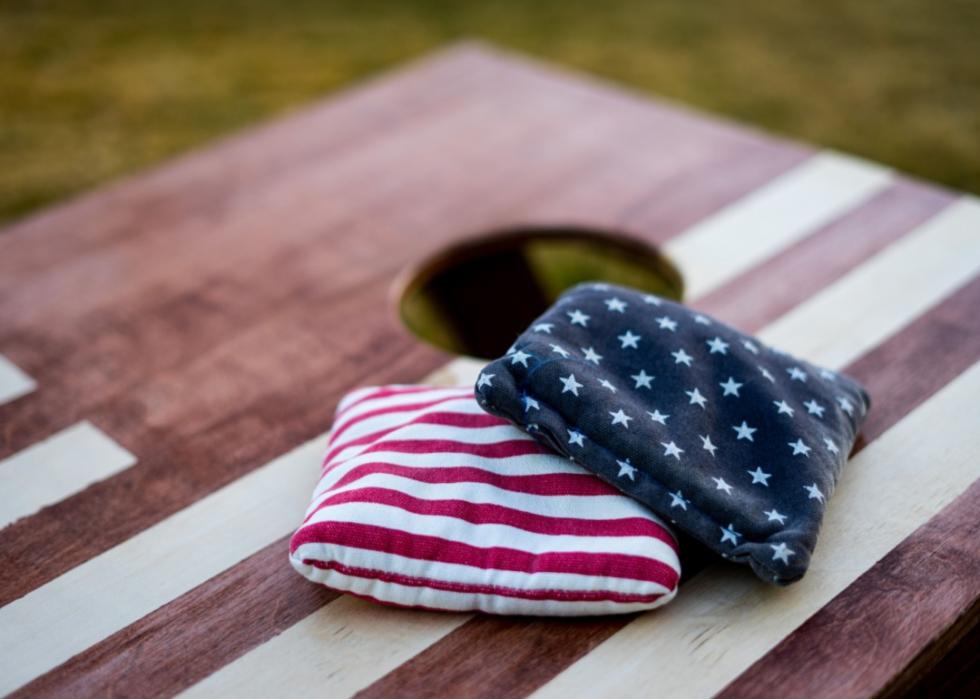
[[827, 374], [667, 323], [543, 327], [800, 448], [591, 356], [750, 346], [707, 445], [570, 384], [558, 349], [744, 431], [720, 484], [729, 533], [814, 408], [620, 418], [682, 357], [702, 320], [658, 416], [765, 372], [671, 449], [781, 552], [576, 437], [628, 339], [813, 492], [605, 384], [651, 299], [600, 286], [796, 374], [774, 516], [485, 380], [578, 318], [783, 407], [510, 350], [717, 346], [615, 305], [831, 447], [642, 379], [696, 398], [520, 357], [529, 403], [760, 476], [846, 405], [677, 500], [731, 387], [626, 469]]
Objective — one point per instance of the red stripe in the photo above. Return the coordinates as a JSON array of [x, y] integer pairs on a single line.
[[492, 450], [392, 391], [501, 591], [450, 419], [431, 548], [487, 513], [540, 484], [408, 407]]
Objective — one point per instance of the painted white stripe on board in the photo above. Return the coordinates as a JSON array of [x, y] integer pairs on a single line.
[[116, 588], [14, 383], [725, 619], [345, 642], [772, 218], [921, 268], [56, 468]]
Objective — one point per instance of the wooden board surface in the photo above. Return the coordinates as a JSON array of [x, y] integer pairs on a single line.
[[172, 348]]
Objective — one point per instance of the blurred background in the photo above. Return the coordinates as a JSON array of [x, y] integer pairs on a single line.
[[92, 90]]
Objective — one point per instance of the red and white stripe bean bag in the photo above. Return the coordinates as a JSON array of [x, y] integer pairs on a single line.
[[427, 501]]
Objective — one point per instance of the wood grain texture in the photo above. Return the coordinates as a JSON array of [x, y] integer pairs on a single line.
[[906, 612], [165, 312], [502, 662]]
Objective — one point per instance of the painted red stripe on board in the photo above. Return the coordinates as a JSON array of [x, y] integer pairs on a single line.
[[485, 513], [463, 588], [584, 484], [431, 548], [465, 420]]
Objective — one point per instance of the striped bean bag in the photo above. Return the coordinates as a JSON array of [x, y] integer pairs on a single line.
[[427, 501]]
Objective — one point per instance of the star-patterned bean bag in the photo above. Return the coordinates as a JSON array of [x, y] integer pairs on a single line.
[[427, 501], [737, 443]]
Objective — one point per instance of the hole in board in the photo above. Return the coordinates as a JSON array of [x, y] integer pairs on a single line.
[[476, 297]]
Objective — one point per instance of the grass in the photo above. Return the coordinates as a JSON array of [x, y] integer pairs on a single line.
[[92, 90]]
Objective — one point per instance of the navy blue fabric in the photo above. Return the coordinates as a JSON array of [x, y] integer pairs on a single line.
[[737, 443]]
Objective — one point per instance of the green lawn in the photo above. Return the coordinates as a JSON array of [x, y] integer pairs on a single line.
[[92, 90]]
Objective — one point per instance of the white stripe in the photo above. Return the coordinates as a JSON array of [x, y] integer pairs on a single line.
[[726, 619], [486, 536], [469, 575], [397, 593], [524, 465], [597, 507], [347, 644], [56, 468], [410, 398], [97, 598], [772, 218], [465, 405], [920, 269], [14, 383], [422, 432]]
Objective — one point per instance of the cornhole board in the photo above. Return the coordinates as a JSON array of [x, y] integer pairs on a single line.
[[174, 346]]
